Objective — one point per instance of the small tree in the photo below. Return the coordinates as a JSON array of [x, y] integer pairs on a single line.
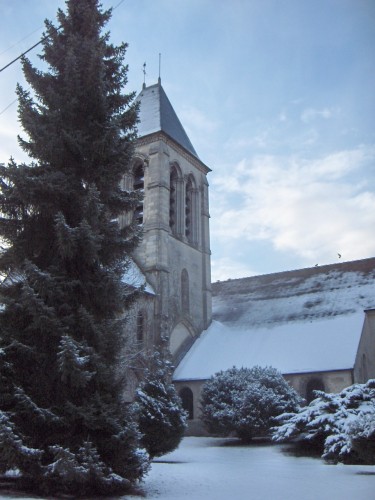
[[162, 420], [245, 401], [340, 425], [63, 422]]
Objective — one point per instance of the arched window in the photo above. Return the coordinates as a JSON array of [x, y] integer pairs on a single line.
[[173, 200], [314, 384], [139, 185], [186, 395], [189, 210], [176, 201], [185, 306], [141, 327]]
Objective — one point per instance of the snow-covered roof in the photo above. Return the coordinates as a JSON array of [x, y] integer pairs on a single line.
[[303, 294], [299, 321], [134, 277], [156, 114], [301, 347]]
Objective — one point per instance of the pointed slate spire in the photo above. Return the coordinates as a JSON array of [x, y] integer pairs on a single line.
[[156, 114]]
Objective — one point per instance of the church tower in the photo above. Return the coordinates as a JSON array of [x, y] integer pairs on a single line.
[[174, 253]]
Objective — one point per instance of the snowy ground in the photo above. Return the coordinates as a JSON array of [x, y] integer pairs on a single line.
[[215, 469], [209, 469]]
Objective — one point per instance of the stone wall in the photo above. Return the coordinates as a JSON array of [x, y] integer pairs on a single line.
[[364, 368], [331, 382], [175, 261]]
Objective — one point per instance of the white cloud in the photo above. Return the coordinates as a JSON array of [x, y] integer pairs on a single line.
[[195, 119], [312, 208], [310, 114], [309, 138], [224, 268], [9, 143], [261, 140]]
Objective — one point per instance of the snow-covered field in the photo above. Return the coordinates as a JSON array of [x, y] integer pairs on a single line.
[[211, 469], [215, 469]]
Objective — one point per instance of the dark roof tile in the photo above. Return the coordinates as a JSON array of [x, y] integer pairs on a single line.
[[156, 114]]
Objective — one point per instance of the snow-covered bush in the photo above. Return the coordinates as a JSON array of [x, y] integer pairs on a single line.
[[362, 437], [161, 418], [341, 425], [245, 401]]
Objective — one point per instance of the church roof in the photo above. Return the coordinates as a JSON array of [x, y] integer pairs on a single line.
[[303, 294], [299, 347], [156, 114], [301, 321]]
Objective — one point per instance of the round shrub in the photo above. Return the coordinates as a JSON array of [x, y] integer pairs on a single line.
[[245, 401]]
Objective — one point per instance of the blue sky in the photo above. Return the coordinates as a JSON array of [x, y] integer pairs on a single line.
[[277, 98]]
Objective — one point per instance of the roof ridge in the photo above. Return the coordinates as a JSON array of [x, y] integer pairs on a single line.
[[313, 269]]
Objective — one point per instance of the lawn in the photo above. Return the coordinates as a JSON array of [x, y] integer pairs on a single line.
[[220, 469]]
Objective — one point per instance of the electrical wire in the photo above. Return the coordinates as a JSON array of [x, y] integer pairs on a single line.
[[9, 105], [28, 50], [19, 41], [31, 48]]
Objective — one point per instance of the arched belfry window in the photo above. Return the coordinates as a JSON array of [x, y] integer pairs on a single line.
[[139, 185], [173, 209], [185, 306], [141, 327], [186, 395], [175, 192], [191, 210], [188, 209]]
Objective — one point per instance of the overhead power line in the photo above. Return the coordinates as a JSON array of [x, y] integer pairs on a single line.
[[118, 5], [9, 105], [19, 41], [40, 41], [33, 47], [28, 50]]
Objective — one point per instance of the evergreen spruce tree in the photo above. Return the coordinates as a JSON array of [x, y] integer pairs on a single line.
[[62, 420], [162, 420]]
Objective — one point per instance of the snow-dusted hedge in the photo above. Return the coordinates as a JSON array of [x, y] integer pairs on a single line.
[[342, 425], [245, 401]]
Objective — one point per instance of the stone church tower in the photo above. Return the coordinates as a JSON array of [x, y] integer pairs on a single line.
[[174, 254]]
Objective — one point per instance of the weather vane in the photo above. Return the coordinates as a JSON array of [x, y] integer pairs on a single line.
[[144, 74]]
